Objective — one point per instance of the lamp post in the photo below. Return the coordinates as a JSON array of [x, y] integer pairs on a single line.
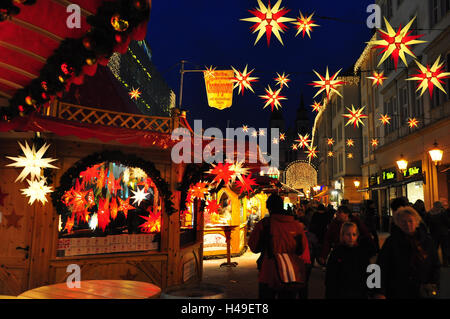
[[402, 164], [436, 154]]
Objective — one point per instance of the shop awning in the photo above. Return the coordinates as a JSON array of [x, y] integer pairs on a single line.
[[415, 178], [322, 193]]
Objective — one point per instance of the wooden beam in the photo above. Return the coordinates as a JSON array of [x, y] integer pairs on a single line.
[[5, 95], [36, 29], [10, 84], [18, 70], [22, 51]]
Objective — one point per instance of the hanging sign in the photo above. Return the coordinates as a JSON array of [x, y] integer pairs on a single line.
[[219, 88]]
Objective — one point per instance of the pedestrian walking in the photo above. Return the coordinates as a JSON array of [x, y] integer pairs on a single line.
[[408, 260], [371, 220], [346, 272], [419, 206], [318, 226], [439, 224], [273, 235]]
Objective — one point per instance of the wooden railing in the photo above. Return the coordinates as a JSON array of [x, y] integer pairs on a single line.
[[83, 114]]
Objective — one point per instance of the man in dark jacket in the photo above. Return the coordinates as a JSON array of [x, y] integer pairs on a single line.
[[318, 226], [439, 224], [371, 220]]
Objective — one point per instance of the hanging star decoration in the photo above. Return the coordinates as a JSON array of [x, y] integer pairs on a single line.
[[139, 196], [152, 223], [124, 206], [330, 154], [377, 78], [113, 208], [316, 107], [282, 80], [222, 172], [303, 140], [103, 214], [385, 119], [93, 222], [135, 94], [33, 162], [243, 80], [199, 190], [273, 98], [355, 116], [282, 136], [238, 170], [396, 44], [209, 72], [350, 155], [374, 142], [244, 128], [304, 24], [254, 134], [350, 142], [262, 132], [274, 140], [211, 212], [37, 191], [294, 147], [245, 185], [269, 20], [90, 174], [70, 222], [429, 77], [327, 84], [13, 220], [330, 141], [312, 152], [413, 122]]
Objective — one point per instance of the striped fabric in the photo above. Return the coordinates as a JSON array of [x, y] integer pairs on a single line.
[[288, 268]]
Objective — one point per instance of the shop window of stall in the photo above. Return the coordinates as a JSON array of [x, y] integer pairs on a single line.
[[109, 208]]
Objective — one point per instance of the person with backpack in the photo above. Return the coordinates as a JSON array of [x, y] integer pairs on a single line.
[[274, 236]]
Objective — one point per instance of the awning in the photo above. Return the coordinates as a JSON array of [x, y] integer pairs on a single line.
[[322, 193]]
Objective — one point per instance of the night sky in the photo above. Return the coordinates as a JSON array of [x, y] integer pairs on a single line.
[[209, 33]]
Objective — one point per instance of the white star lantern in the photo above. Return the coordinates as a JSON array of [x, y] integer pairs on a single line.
[[37, 191], [139, 196]]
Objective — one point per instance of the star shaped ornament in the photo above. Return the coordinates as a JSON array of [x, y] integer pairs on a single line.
[[374, 142], [13, 220], [312, 152], [282, 136], [139, 196], [33, 162], [413, 122], [355, 116], [304, 24], [330, 154], [243, 80], [316, 107], [135, 94], [327, 84], [350, 142], [209, 72], [303, 140], [385, 119], [330, 141], [273, 98], [396, 44], [282, 80], [269, 20], [37, 191], [429, 77], [377, 78]]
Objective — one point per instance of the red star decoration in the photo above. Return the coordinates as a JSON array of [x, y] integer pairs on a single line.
[[13, 220], [222, 172], [246, 184], [152, 222], [124, 206]]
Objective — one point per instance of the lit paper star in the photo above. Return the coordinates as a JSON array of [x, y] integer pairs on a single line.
[[303, 140], [413, 122], [138, 173], [139, 196], [238, 170], [246, 184], [294, 147], [245, 128], [282, 80], [222, 172], [262, 132], [33, 162], [377, 78], [355, 116], [330, 154], [350, 142], [124, 206], [37, 191], [269, 20], [312, 152], [135, 93], [385, 119], [243, 80], [305, 24], [152, 222], [274, 140], [199, 190], [330, 141], [396, 44], [316, 107], [430, 77], [350, 155], [254, 134], [209, 72], [282, 136], [273, 98], [374, 142], [327, 84]]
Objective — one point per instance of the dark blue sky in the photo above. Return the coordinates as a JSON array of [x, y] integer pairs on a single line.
[[208, 32]]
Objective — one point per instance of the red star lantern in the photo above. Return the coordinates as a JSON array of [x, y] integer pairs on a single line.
[[212, 207], [70, 222], [355, 116], [113, 208], [282, 136], [294, 147], [330, 154], [103, 214], [135, 93], [377, 78], [209, 72], [316, 107], [222, 172], [350, 142], [246, 184], [413, 122], [330, 141], [273, 98], [152, 223], [199, 190], [428, 77], [385, 119], [305, 24], [374, 142], [303, 141], [312, 152], [282, 80], [124, 206], [327, 84], [350, 155], [243, 80], [90, 174]]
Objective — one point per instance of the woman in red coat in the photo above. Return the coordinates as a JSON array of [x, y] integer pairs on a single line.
[[286, 236]]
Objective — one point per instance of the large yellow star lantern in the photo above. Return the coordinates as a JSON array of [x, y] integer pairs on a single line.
[[304, 24], [385, 119], [327, 84], [269, 20], [377, 78], [396, 44], [243, 80], [273, 98], [430, 77], [303, 140], [355, 116], [312, 152], [282, 80], [135, 93]]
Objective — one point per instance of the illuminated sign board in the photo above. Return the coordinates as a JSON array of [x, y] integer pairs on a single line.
[[415, 169], [389, 175]]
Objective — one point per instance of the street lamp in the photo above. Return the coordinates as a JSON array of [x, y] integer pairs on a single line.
[[357, 183], [436, 154], [402, 164]]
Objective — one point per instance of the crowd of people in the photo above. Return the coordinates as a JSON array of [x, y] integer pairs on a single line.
[[343, 243]]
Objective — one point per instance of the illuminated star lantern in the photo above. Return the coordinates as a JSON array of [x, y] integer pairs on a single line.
[[330, 141], [330, 154], [254, 134], [374, 142], [303, 140], [139, 196], [273, 98], [350, 142], [294, 147], [413, 122], [350, 155], [274, 140], [209, 72], [152, 222], [135, 94], [282, 136], [238, 170], [199, 190], [269, 20], [327, 84], [33, 162], [316, 107], [312, 152], [396, 44], [37, 191], [124, 206], [245, 128], [243, 80], [430, 77], [246, 184], [355, 116], [262, 132], [139, 173], [282, 80], [385, 119], [305, 24], [377, 78], [222, 172]]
